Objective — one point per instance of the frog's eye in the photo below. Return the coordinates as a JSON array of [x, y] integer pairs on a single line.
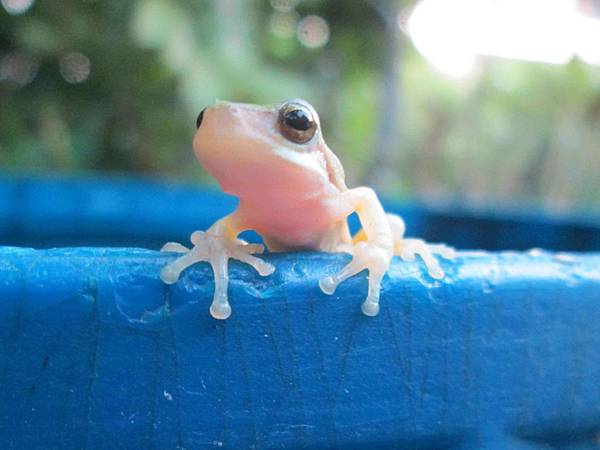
[[297, 122], [199, 119]]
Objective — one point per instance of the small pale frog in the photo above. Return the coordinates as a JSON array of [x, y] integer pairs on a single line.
[[292, 193]]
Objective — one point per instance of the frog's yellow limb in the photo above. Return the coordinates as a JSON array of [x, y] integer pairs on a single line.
[[373, 254], [408, 248], [217, 245]]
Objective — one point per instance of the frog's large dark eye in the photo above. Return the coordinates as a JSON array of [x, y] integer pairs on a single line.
[[199, 119], [297, 122]]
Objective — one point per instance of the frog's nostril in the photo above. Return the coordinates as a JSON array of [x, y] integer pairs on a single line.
[[199, 119]]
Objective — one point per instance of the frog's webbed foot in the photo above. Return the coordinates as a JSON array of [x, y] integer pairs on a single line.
[[364, 256], [408, 249], [217, 250]]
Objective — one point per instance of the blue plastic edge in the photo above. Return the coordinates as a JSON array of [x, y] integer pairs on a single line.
[[95, 352]]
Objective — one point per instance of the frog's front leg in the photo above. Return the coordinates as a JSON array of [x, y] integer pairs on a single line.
[[409, 248], [217, 245], [373, 254]]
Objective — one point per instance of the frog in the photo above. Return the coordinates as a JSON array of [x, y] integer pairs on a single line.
[[292, 192]]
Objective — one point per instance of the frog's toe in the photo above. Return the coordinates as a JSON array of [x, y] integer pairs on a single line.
[[174, 247], [254, 248], [436, 272], [370, 308], [169, 275], [220, 310], [364, 256], [410, 248], [243, 253], [329, 284], [264, 268], [443, 250]]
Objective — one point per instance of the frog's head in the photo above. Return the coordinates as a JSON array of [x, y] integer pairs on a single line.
[[251, 148]]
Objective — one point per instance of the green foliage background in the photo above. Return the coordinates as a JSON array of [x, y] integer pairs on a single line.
[[513, 131]]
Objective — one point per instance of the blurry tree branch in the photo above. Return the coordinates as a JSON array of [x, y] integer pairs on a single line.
[[379, 173], [386, 9]]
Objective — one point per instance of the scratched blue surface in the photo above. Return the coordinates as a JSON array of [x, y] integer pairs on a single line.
[[96, 352]]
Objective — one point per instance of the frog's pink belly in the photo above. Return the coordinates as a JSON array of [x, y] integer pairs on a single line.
[[294, 224]]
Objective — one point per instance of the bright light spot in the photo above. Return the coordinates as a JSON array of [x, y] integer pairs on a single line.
[[442, 33], [588, 43], [284, 5], [532, 30], [17, 6], [19, 68], [313, 32], [75, 67], [283, 25], [451, 34]]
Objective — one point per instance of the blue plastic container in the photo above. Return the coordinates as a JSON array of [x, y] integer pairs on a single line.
[[96, 352]]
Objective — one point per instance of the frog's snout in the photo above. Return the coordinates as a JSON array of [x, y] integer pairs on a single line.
[[200, 117]]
